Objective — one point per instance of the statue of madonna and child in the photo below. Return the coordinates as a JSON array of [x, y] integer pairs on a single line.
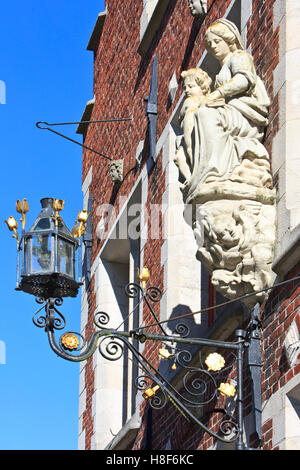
[[225, 167]]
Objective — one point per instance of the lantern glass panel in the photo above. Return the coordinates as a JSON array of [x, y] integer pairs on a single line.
[[43, 224], [42, 260], [65, 257]]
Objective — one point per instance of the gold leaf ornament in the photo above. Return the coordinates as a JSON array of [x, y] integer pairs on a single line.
[[143, 276], [22, 208], [149, 392], [215, 362], [83, 216], [227, 389], [58, 205], [25, 206], [163, 353], [70, 341], [78, 230], [19, 206], [12, 225]]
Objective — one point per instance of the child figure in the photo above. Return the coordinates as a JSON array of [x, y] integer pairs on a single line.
[[196, 84]]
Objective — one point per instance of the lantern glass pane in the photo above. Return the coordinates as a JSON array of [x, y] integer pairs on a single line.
[[43, 224], [65, 257], [41, 253], [63, 228]]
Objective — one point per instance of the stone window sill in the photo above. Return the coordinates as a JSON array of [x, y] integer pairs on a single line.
[[152, 26], [126, 435], [97, 31], [86, 116], [289, 253]]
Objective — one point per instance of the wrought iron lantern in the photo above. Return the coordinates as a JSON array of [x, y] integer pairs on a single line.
[[46, 255]]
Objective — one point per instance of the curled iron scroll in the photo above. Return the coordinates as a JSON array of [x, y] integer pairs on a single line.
[[58, 321]]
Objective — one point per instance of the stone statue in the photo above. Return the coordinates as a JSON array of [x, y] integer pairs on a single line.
[[225, 167], [198, 7], [196, 84]]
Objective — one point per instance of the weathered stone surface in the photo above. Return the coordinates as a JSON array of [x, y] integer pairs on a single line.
[[225, 168]]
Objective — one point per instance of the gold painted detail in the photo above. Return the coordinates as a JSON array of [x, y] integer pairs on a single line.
[[150, 392], [12, 225], [164, 353], [69, 341], [58, 205], [215, 361], [227, 390], [143, 276], [80, 224], [22, 208]]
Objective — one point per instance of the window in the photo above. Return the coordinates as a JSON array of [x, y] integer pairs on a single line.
[[116, 267]]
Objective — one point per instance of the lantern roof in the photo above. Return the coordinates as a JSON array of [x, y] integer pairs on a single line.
[[45, 222]]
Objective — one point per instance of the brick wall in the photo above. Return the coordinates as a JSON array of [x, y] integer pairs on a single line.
[[121, 82]]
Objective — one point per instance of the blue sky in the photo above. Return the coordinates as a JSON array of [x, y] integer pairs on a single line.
[[48, 74]]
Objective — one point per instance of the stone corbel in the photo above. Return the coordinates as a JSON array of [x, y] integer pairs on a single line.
[[198, 8], [116, 171]]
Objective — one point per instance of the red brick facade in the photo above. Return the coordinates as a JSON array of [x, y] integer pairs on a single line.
[[121, 82]]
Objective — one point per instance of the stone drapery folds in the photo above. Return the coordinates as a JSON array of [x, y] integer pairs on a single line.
[[225, 167]]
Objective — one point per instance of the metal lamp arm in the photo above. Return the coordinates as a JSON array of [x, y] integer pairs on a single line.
[[111, 344]]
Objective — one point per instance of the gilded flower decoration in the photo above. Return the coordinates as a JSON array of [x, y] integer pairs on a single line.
[[215, 362], [227, 390], [70, 341]]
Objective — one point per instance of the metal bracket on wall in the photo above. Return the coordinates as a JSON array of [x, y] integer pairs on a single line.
[[254, 361], [116, 166], [151, 108], [87, 240]]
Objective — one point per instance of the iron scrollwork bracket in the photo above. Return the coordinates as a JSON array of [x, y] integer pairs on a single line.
[[200, 387]]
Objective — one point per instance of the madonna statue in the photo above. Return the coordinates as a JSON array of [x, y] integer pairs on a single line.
[[226, 170]]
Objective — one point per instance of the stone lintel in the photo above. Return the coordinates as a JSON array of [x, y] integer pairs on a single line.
[[96, 34], [86, 116], [152, 26]]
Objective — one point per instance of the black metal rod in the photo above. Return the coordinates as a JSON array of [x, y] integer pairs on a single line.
[[75, 142], [193, 341], [56, 264], [47, 124], [240, 334], [228, 302], [18, 266], [38, 124], [154, 315], [80, 261]]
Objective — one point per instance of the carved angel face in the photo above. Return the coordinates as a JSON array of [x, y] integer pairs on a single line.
[[197, 7], [227, 231], [217, 46]]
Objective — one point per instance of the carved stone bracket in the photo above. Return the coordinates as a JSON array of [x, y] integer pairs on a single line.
[[237, 245], [198, 7], [116, 171]]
